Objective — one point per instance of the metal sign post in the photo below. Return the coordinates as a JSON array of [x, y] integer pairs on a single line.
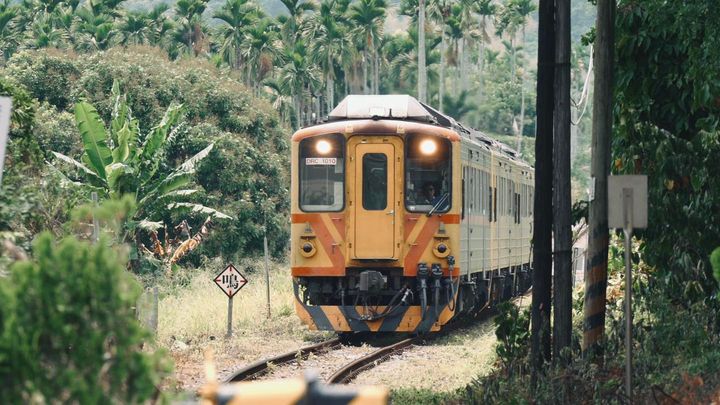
[[627, 209], [5, 108], [230, 281]]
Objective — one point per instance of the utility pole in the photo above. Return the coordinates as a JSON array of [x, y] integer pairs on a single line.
[[542, 219], [562, 310], [597, 253], [422, 68]]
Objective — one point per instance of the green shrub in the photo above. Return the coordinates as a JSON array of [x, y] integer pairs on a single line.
[[68, 332], [513, 333]]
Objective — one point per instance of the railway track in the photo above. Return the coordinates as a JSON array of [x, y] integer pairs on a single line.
[[349, 371], [260, 367]]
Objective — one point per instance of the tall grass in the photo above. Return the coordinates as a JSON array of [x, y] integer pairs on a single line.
[[197, 309]]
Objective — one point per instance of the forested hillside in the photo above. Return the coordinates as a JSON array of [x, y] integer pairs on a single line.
[[245, 176]]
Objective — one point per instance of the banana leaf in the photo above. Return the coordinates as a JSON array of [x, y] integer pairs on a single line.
[[92, 176], [94, 137], [126, 138], [180, 177], [157, 136], [198, 209]]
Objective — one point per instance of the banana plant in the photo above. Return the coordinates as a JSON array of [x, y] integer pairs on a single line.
[[118, 161]]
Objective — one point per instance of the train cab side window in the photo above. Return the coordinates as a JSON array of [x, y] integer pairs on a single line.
[[321, 163], [428, 166]]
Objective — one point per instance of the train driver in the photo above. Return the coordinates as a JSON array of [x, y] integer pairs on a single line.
[[430, 195]]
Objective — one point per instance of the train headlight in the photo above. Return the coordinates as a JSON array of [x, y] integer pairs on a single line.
[[308, 249], [441, 250], [323, 147], [428, 147]]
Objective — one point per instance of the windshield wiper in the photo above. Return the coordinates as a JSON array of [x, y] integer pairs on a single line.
[[438, 204]]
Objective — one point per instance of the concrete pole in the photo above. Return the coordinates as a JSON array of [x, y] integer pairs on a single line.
[[598, 235], [96, 223], [267, 272]]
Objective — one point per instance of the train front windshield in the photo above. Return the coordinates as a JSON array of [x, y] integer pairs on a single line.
[[322, 173], [427, 174]]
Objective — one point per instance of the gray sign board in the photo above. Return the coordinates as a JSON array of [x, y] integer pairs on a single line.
[[627, 202]]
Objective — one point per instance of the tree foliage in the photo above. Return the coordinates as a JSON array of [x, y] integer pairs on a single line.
[[667, 116]]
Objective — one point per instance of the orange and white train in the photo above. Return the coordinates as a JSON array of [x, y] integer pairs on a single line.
[[403, 219]]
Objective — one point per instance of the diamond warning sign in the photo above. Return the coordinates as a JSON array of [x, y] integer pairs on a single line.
[[230, 280]]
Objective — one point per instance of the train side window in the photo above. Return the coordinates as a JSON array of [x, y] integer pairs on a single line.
[[321, 166], [374, 183], [489, 203], [511, 194], [495, 208]]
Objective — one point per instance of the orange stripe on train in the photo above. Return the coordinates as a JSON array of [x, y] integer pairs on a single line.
[[330, 245]]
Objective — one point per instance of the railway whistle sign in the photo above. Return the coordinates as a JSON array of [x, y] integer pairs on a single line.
[[230, 281]]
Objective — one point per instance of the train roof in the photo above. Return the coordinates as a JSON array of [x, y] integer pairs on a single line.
[[408, 108]]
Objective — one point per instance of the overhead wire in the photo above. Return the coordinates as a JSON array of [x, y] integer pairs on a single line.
[[584, 94]]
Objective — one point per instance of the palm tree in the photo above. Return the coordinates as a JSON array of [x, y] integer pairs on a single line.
[[513, 17], [438, 12], [260, 50], [292, 25], [94, 29], [301, 76], [486, 9], [159, 24], [9, 35], [189, 32], [331, 45], [237, 16], [135, 29], [422, 66], [368, 17]]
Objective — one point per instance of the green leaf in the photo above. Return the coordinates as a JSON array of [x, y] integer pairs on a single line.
[[126, 138], [157, 136], [715, 262], [94, 137], [116, 177], [91, 174], [198, 209]]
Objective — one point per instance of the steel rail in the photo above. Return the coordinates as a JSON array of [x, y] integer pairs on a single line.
[[260, 367], [352, 369]]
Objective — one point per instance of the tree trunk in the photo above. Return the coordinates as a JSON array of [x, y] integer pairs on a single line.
[[542, 219], [521, 125], [330, 85], [597, 254], [365, 71], [562, 319], [522, 102], [376, 90], [298, 110], [422, 64], [481, 63], [441, 89]]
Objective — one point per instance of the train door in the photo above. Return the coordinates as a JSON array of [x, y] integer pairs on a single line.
[[376, 199]]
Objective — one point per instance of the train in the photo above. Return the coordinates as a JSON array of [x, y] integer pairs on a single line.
[[403, 219]]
